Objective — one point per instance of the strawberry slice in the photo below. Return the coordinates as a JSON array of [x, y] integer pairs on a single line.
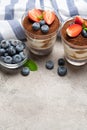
[[79, 20], [74, 30], [35, 15], [85, 23], [48, 16]]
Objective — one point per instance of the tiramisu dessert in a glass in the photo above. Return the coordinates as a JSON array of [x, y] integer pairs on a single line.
[[41, 27], [74, 38]]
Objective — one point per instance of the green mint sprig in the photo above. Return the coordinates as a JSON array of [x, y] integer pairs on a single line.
[[40, 17], [31, 65]]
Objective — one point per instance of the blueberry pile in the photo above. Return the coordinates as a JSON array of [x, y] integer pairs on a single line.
[[12, 51], [61, 71], [41, 26]]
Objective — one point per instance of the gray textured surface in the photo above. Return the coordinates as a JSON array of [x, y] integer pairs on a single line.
[[43, 100]]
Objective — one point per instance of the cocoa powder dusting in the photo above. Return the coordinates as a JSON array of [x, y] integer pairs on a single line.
[[79, 40], [27, 24]]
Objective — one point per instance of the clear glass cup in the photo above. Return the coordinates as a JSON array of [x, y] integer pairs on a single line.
[[74, 54], [40, 44]]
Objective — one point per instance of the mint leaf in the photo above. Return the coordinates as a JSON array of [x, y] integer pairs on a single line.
[[31, 65], [40, 17], [85, 29]]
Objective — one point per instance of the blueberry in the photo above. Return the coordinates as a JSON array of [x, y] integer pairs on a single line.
[[61, 61], [2, 58], [2, 51], [45, 28], [17, 58], [11, 51], [5, 44], [25, 71], [14, 42], [8, 59], [24, 45], [42, 22], [84, 33], [36, 26], [19, 47], [62, 70], [0, 45], [23, 56], [5, 54], [49, 65]]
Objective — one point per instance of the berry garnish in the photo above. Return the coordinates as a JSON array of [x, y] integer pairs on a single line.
[[62, 70], [36, 26], [49, 65], [49, 17], [79, 20], [45, 28], [84, 33], [35, 15], [42, 22], [61, 61], [74, 30], [25, 71], [85, 23]]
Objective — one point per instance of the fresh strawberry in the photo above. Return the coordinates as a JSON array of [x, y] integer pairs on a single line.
[[74, 30], [48, 16], [79, 20], [35, 15], [85, 23]]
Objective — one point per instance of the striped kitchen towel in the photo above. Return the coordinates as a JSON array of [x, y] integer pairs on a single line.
[[11, 12]]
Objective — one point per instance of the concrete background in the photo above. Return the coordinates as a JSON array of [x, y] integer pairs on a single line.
[[43, 100]]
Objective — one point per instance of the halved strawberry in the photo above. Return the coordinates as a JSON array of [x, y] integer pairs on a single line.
[[48, 16], [35, 15], [79, 20], [85, 23], [74, 30]]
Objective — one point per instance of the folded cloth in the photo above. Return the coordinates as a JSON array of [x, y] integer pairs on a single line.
[[11, 12]]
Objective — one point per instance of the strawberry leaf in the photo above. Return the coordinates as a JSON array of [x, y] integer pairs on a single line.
[[31, 65]]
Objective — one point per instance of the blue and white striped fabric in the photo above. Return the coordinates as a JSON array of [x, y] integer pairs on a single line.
[[11, 12]]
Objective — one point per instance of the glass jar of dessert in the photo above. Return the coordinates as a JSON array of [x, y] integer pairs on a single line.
[[41, 27], [74, 39]]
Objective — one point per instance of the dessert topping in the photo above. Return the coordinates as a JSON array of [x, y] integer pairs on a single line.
[[49, 17], [45, 28], [85, 24], [41, 19], [42, 22], [79, 20], [84, 32], [35, 15], [79, 26], [36, 25], [74, 30]]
